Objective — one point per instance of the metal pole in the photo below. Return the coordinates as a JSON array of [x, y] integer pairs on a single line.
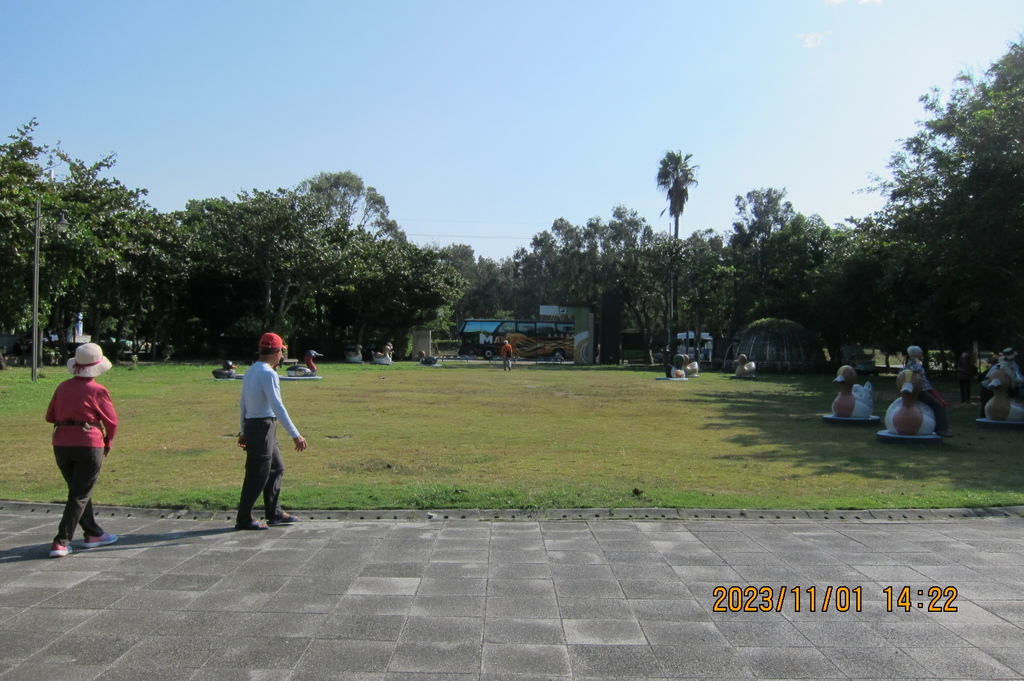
[[36, 346]]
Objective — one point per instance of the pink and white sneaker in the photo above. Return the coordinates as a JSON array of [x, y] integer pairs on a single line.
[[58, 550], [93, 542]]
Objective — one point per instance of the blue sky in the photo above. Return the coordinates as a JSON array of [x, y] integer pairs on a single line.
[[482, 122]]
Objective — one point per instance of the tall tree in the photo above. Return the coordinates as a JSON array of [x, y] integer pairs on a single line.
[[759, 214], [675, 177], [278, 245], [641, 267], [22, 181], [705, 282], [389, 286], [956, 205]]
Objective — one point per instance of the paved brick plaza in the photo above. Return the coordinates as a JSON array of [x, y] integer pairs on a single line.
[[555, 595]]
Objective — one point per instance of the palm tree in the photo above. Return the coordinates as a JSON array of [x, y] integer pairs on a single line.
[[676, 176]]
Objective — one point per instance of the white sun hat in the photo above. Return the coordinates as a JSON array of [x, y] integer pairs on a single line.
[[88, 361]]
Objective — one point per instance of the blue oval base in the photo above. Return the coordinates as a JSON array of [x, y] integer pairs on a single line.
[[1000, 425], [890, 438], [843, 421]]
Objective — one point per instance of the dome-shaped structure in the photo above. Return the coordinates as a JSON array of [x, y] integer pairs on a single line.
[[781, 345]]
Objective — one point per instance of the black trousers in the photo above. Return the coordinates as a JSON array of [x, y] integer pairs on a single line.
[[264, 469], [80, 467], [965, 390]]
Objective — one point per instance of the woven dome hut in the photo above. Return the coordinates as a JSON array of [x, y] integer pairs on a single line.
[[781, 346]]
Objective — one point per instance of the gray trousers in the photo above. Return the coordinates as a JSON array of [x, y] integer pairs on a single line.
[[80, 467], [264, 469]]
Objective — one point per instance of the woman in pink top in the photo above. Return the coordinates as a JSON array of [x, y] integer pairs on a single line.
[[84, 424]]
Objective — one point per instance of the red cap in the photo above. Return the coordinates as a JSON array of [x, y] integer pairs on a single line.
[[271, 341]]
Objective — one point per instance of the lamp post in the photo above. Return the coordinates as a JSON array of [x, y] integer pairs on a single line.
[[37, 346]]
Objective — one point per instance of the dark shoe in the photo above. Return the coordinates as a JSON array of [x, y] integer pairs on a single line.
[[284, 519], [254, 525]]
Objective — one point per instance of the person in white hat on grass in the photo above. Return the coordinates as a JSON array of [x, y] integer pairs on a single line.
[[84, 425], [1008, 363]]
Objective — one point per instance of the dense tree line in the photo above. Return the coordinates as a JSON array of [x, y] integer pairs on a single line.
[[322, 261], [940, 265]]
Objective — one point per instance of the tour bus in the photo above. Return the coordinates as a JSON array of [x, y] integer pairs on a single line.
[[530, 338]]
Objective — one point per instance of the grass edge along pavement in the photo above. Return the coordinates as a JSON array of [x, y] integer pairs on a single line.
[[567, 514], [469, 436]]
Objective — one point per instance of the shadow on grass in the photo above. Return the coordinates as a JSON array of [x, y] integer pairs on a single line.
[[972, 460]]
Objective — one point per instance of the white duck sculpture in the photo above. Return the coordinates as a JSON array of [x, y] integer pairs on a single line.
[[907, 416], [745, 368], [690, 367], [384, 356], [853, 401], [1000, 407]]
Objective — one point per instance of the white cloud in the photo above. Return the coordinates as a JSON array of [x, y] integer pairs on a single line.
[[869, 2], [834, 3], [813, 40]]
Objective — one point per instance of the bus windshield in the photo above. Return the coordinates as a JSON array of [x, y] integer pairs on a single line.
[[530, 338]]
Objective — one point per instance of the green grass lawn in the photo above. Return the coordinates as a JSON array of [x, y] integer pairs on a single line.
[[468, 435]]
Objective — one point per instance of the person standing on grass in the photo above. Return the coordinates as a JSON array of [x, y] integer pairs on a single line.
[[929, 395], [506, 356], [964, 374], [84, 425], [260, 408]]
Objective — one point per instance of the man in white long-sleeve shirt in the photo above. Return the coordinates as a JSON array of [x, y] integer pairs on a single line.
[[260, 409]]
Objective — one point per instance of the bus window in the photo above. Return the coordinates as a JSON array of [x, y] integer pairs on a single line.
[[479, 326], [545, 328], [528, 328], [505, 328]]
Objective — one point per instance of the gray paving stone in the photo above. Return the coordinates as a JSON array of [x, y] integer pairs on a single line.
[[258, 651], [343, 657], [454, 658], [361, 627], [884, 662], [684, 634], [510, 606], [518, 630], [443, 629], [621, 662], [517, 658], [961, 663], [449, 606], [789, 663], [603, 632], [703, 661], [567, 594]]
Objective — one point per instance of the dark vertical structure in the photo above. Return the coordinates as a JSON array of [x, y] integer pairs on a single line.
[[610, 336]]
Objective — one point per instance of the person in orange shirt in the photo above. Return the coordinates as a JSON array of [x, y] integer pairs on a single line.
[[506, 356], [84, 425]]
